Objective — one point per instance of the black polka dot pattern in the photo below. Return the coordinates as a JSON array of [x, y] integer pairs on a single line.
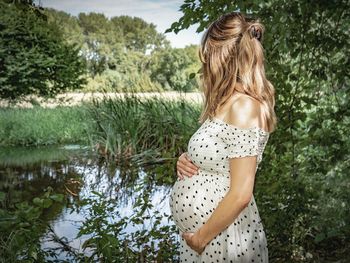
[[192, 200]]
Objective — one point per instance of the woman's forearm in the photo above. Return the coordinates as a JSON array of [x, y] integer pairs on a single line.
[[242, 172], [224, 214]]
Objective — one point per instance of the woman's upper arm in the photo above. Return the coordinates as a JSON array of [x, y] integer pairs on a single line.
[[242, 172], [243, 146]]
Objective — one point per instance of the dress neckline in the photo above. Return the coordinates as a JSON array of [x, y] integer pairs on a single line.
[[239, 128]]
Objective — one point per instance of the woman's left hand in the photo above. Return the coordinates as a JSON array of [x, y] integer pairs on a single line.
[[193, 241]]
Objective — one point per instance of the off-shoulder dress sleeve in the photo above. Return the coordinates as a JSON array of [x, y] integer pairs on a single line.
[[241, 142]]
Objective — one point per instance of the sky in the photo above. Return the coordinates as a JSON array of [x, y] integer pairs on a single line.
[[162, 13]]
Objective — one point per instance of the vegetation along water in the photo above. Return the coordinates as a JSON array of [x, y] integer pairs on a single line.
[[89, 182]]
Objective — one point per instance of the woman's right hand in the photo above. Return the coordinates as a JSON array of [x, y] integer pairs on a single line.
[[185, 166]]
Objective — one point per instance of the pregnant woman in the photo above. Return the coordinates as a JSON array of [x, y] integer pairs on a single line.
[[212, 201]]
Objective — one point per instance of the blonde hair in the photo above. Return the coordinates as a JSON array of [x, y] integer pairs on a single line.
[[232, 53]]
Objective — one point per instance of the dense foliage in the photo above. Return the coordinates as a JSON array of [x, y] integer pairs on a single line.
[[44, 51], [127, 54], [22, 225], [34, 58]]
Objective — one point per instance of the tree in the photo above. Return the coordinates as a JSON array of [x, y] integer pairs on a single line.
[[34, 59], [138, 34], [172, 67]]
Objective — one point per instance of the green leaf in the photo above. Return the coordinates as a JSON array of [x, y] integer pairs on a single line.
[[37, 201], [47, 203], [97, 193], [192, 75], [57, 197]]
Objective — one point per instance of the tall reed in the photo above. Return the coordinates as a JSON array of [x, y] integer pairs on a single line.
[[130, 125]]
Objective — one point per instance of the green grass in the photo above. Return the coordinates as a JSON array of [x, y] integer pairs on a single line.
[[44, 126], [120, 127]]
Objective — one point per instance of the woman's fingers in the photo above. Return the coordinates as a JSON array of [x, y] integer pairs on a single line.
[[180, 175], [185, 169], [187, 163], [185, 166], [182, 170]]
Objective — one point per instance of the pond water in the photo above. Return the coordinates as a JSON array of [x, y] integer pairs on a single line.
[[77, 172]]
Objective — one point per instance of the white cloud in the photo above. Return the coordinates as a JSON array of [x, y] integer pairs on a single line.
[[160, 13]]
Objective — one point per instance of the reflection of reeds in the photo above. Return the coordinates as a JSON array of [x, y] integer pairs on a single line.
[[73, 184], [132, 126]]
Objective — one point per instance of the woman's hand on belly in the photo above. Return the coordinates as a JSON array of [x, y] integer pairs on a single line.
[[185, 166], [192, 240]]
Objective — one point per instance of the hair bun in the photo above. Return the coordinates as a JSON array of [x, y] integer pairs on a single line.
[[255, 32]]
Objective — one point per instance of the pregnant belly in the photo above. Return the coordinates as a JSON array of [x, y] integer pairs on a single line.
[[192, 200]]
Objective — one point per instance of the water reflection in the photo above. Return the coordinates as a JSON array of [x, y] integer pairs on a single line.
[[76, 171]]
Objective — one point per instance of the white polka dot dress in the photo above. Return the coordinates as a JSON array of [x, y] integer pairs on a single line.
[[193, 199]]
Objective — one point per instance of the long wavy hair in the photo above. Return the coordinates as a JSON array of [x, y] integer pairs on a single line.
[[232, 55]]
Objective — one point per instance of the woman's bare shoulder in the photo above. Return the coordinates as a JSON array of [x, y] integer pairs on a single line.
[[245, 112]]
